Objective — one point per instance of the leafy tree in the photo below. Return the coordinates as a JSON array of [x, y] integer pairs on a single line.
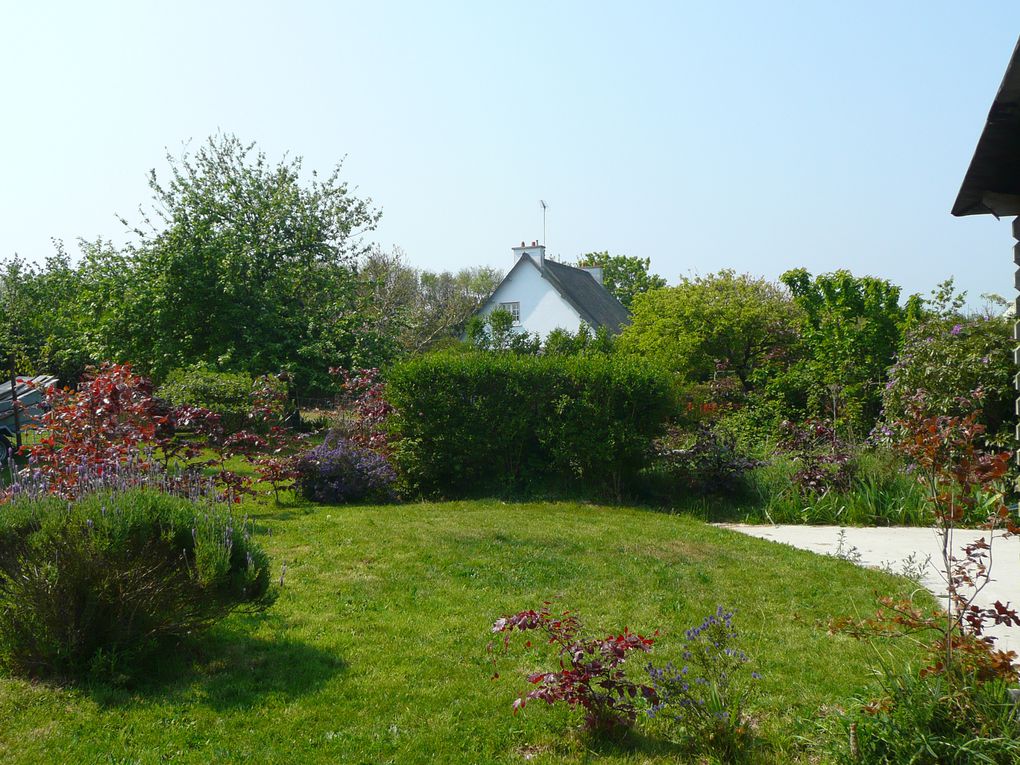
[[423, 308], [623, 275], [851, 328], [584, 342], [44, 327], [242, 265], [737, 322], [495, 332]]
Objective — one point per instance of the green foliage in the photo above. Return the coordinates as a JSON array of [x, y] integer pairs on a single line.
[[89, 586], [562, 342], [228, 394], [422, 309], [851, 328], [934, 720], [881, 493], [244, 265], [943, 360], [491, 423], [625, 276], [496, 332], [738, 322], [44, 327]]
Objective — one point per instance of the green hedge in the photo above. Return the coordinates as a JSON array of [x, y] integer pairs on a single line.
[[226, 393], [493, 423]]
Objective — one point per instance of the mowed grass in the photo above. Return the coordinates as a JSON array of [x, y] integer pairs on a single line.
[[375, 651]]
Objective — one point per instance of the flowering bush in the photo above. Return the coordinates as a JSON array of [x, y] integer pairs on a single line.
[[591, 672], [88, 585], [942, 361], [704, 701], [338, 470]]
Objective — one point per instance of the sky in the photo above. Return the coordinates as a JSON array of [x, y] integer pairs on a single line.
[[757, 136]]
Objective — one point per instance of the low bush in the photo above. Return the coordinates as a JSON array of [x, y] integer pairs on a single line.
[[338, 471], [824, 461], [92, 585], [490, 423], [703, 704], [881, 492], [711, 465], [591, 674]]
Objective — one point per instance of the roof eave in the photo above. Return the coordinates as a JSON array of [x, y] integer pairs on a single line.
[[991, 185]]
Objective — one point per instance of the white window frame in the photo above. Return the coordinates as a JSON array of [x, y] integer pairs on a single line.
[[514, 309]]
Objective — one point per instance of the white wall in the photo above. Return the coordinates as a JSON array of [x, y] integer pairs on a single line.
[[542, 308]]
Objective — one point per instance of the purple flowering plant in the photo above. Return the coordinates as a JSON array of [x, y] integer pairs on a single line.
[[339, 470], [703, 702]]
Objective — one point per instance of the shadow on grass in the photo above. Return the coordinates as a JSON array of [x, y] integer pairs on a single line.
[[634, 741], [224, 669], [631, 741]]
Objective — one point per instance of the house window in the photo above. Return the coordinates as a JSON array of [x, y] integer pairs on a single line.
[[514, 309]]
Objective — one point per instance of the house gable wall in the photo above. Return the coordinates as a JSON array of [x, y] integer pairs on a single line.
[[543, 309]]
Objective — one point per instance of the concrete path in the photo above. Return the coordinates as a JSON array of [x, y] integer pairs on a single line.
[[899, 548]]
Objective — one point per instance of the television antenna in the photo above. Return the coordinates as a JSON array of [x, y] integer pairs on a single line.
[[544, 208]]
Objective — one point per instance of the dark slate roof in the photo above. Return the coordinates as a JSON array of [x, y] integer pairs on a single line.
[[992, 183], [597, 305]]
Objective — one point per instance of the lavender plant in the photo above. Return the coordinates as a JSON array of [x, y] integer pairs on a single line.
[[97, 582], [703, 702]]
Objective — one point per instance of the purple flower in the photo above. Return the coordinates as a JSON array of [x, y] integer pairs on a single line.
[[957, 329]]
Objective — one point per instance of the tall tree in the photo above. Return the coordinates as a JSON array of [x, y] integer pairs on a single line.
[[851, 328], [421, 308], [243, 264], [623, 275], [726, 319]]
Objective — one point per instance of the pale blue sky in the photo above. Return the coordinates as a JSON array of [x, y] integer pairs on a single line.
[[754, 135]]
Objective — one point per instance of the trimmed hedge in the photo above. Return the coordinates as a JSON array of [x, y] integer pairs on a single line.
[[228, 394], [492, 423]]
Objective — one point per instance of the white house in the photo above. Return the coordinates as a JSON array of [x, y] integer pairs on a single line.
[[543, 295]]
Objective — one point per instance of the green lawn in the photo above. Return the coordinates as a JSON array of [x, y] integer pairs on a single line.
[[375, 650]]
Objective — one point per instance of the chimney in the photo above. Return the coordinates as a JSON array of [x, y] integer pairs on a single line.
[[535, 250], [595, 271]]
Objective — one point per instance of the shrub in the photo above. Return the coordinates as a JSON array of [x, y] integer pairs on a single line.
[[364, 408], [591, 672], [882, 492], [338, 470], [229, 394], [111, 433], [491, 423], [823, 459], [711, 465], [933, 719], [945, 359], [91, 434], [703, 704], [91, 585]]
